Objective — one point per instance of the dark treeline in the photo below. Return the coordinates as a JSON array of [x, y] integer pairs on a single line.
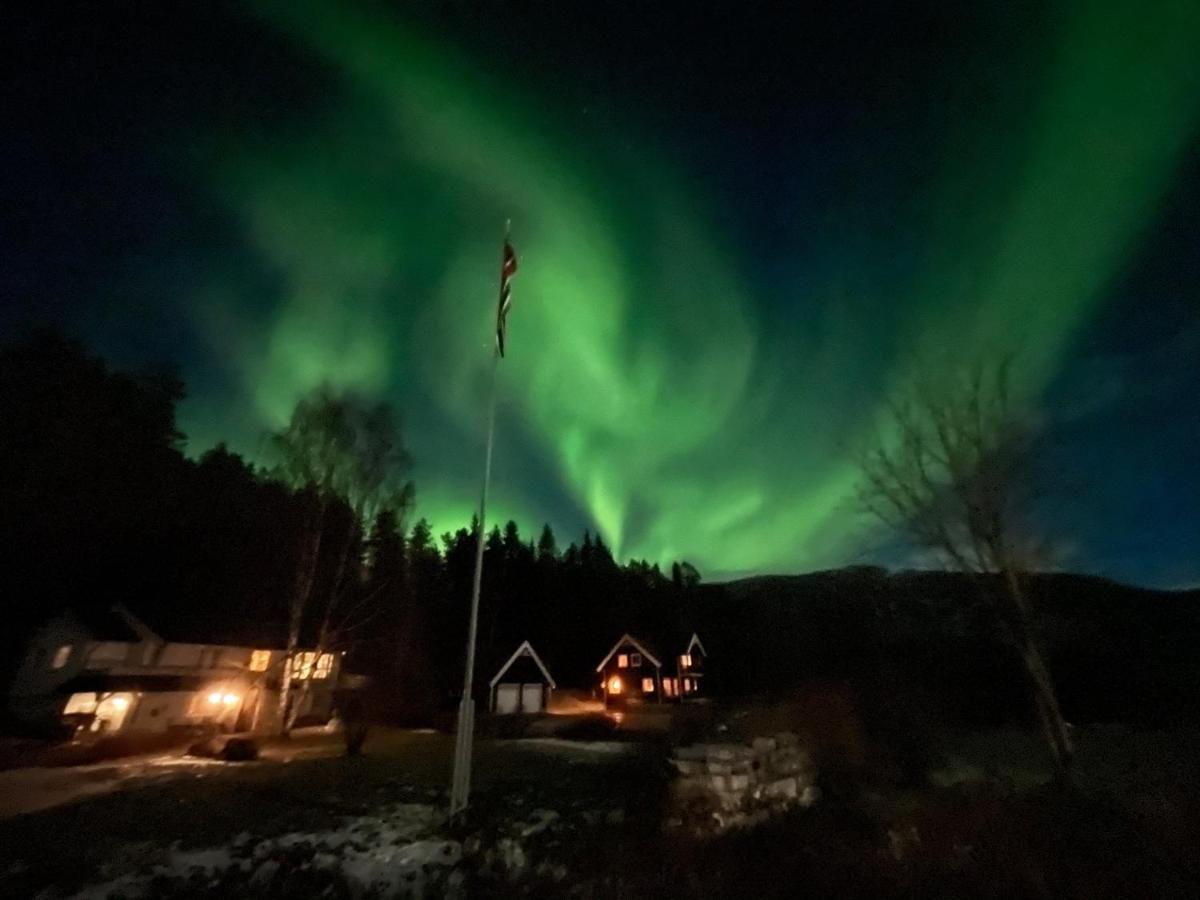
[[925, 646], [100, 506]]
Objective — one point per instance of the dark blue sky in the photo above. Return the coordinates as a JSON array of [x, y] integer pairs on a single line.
[[830, 191]]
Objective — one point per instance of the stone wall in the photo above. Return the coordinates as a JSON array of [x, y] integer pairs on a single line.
[[721, 786]]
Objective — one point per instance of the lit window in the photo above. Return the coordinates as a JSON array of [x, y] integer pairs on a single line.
[[80, 703], [622, 661], [61, 655], [614, 685], [324, 665], [635, 659], [669, 687], [259, 660], [647, 685], [302, 665], [686, 660], [307, 664]]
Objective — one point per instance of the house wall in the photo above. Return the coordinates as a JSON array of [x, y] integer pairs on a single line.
[[160, 711], [671, 683], [632, 678], [686, 680], [35, 691]]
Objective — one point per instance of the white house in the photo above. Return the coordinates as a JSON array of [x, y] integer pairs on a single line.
[[108, 671]]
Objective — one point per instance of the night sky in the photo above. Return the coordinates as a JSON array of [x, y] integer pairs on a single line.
[[737, 230]]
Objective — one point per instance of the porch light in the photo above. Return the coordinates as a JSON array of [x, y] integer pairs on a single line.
[[614, 684]]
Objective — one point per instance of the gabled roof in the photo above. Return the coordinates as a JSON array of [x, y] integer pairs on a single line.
[[526, 649], [695, 642], [103, 624], [629, 638]]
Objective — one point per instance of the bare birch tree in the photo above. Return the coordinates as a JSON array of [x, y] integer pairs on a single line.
[[340, 453], [954, 472]]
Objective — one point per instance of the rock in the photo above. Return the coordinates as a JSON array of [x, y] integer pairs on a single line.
[[208, 748], [264, 874], [764, 745], [688, 766], [455, 885], [739, 785], [230, 749], [784, 788], [239, 749], [727, 752], [787, 739], [540, 820], [430, 853], [551, 871], [732, 783], [790, 761], [511, 856]]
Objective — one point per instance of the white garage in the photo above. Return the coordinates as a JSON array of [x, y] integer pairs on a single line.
[[523, 684], [508, 699]]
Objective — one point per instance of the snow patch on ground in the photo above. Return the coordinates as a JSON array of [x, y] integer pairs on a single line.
[[388, 853], [591, 748]]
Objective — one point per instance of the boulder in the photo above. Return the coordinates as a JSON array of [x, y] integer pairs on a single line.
[[229, 748], [787, 739], [239, 749], [764, 745], [782, 789]]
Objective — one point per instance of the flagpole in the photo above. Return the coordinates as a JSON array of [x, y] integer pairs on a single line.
[[460, 783]]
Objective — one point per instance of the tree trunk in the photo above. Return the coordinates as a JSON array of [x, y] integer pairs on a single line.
[[306, 687], [324, 635], [302, 591], [1054, 726]]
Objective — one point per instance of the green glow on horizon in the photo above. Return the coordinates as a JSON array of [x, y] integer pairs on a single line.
[[641, 366]]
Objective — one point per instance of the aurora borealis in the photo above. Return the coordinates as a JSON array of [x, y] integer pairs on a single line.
[[729, 256]]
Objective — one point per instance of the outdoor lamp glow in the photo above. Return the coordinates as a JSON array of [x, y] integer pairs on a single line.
[[229, 699], [214, 697], [614, 684], [120, 702]]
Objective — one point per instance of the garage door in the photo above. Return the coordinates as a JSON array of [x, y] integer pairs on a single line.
[[508, 697], [531, 698]]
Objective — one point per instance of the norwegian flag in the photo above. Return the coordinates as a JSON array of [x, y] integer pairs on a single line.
[[508, 268]]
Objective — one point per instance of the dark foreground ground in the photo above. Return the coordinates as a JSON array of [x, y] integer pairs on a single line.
[[586, 818]]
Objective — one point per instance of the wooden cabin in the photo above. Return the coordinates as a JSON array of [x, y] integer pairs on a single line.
[[636, 671]]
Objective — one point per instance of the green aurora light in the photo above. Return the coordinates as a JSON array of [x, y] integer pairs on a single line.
[[645, 382]]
